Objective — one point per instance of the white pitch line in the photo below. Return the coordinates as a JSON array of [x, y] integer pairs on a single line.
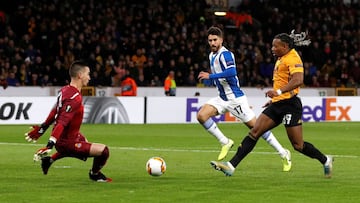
[[162, 149]]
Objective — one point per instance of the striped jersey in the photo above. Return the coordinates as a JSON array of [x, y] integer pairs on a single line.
[[224, 74]]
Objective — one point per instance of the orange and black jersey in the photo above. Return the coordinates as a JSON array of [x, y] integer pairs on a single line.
[[285, 66]]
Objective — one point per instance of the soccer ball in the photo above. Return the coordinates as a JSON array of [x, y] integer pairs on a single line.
[[156, 166]]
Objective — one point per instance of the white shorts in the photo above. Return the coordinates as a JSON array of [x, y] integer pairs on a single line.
[[239, 107]]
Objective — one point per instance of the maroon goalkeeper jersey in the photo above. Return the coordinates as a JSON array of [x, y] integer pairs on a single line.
[[69, 112]]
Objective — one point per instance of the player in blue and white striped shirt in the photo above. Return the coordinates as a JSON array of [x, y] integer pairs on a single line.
[[231, 98]]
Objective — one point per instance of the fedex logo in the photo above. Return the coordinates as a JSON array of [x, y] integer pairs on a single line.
[[328, 111], [192, 107]]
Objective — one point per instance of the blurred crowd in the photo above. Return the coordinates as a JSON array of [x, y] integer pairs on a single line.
[[40, 38]]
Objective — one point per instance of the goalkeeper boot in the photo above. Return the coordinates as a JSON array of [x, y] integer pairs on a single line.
[[328, 166], [226, 167], [287, 161], [98, 177], [45, 164], [225, 149]]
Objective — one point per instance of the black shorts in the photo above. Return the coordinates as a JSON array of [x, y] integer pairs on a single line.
[[288, 111]]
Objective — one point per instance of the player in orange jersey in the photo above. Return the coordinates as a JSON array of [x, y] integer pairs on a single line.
[[284, 107]]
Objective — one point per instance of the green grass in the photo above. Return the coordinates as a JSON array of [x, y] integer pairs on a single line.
[[187, 150]]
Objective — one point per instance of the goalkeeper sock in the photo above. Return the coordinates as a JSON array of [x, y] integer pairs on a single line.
[[100, 161], [245, 148], [56, 156]]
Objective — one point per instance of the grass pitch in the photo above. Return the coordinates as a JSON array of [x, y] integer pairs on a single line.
[[187, 150]]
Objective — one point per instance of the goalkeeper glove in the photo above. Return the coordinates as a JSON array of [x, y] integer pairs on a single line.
[[36, 132], [42, 152]]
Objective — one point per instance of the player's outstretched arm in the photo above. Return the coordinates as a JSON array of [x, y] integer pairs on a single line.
[[55, 135], [37, 131], [44, 151]]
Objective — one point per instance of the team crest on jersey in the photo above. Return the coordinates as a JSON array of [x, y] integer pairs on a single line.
[[68, 108], [78, 145]]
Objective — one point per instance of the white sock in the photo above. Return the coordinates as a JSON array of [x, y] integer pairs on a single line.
[[328, 160], [230, 165], [269, 137], [213, 129]]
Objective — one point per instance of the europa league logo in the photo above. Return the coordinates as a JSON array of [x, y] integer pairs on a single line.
[[107, 110]]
